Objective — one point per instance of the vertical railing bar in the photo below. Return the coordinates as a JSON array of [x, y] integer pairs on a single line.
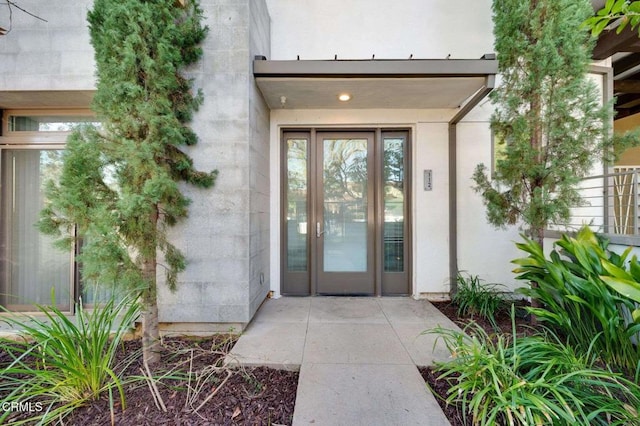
[[625, 199], [605, 195], [635, 202], [621, 202], [13, 184]]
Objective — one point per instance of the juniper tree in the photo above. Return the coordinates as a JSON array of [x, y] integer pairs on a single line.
[[547, 112], [119, 188]]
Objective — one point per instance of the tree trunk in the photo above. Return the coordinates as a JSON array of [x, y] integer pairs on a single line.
[[536, 142], [538, 234], [150, 331]]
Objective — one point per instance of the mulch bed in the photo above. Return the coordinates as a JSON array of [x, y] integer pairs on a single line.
[[441, 387], [242, 396], [255, 396], [503, 318]]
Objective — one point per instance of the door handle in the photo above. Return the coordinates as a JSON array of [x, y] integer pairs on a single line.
[[318, 230]]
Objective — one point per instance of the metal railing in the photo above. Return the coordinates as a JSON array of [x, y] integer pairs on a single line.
[[611, 203]]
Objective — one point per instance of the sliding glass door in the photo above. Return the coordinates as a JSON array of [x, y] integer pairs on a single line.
[[32, 270]]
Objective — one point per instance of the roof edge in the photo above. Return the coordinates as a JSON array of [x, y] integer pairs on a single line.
[[376, 68]]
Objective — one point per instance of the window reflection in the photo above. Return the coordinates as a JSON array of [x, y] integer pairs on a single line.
[[345, 205], [48, 123], [393, 232], [297, 187]]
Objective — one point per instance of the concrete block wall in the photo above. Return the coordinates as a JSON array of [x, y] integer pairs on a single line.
[[225, 238], [52, 55], [259, 121], [214, 238]]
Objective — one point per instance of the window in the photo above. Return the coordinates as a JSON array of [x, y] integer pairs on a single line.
[[46, 123], [32, 270]]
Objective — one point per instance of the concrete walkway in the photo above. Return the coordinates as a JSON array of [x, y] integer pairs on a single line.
[[357, 357]]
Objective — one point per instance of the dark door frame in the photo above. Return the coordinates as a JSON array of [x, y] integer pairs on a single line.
[[304, 283]]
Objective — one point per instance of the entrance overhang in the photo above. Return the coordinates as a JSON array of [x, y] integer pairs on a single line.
[[458, 84], [380, 84]]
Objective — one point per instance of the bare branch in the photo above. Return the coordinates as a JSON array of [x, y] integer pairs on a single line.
[[10, 5]]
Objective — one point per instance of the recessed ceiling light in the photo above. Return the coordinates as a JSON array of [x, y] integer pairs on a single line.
[[344, 97]]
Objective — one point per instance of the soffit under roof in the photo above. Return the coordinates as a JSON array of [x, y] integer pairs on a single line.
[[409, 93], [389, 84]]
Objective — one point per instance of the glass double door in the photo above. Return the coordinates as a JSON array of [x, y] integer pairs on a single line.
[[345, 231]]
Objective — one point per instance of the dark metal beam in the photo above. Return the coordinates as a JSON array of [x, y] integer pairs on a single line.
[[625, 100], [453, 177], [629, 102], [626, 112], [377, 68], [611, 42], [626, 86], [625, 64]]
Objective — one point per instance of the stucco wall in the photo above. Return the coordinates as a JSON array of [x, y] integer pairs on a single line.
[[483, 250], [630, 157], [358, 29]]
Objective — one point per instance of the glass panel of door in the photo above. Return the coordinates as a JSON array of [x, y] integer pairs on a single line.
[[344, 216], [297, 223], [395, 226]]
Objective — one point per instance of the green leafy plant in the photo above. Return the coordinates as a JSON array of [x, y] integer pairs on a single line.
[[475, 297], [532, 380], [575, 298], [625, 281], [62, 362], [624, 12]]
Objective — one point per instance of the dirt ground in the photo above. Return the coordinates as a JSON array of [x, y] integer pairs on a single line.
[[214, 395]]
